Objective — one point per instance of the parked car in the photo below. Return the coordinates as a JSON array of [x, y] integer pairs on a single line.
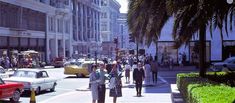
[[229, 63], [80, 70], [11, 90], [58, 62], [33, 78]]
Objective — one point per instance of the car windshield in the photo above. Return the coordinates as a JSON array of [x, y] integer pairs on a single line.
[[228, 60], [28, 74], [76, 63]]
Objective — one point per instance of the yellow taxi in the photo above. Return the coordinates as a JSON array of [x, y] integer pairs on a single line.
[[80, 70]]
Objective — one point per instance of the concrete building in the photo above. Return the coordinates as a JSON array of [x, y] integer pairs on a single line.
[[86, 27], [109, 21], [41, 25], [123, 34]]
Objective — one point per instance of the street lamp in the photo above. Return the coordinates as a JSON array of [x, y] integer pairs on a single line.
[[96, 58], [116, 42]]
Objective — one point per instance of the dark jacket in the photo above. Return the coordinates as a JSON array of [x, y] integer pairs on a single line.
[[138, 75]]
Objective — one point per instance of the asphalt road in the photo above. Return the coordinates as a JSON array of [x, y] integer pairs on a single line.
[[66, 83], [69, 83]]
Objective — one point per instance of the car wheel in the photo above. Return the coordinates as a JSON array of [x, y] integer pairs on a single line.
[[53, 87], [78, 75], [15, 97], [83, 75]]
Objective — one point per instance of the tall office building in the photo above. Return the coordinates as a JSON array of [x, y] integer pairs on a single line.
[[41, 25], [109, 25], [86, 27]]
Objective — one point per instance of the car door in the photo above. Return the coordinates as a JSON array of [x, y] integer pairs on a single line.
[[40, 81], [47, 81], [4, 90]]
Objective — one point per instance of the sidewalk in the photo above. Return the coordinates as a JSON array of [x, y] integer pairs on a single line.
[[178, 68], [159, 93]]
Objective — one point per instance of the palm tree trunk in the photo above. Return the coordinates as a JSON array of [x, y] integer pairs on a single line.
[[202, 50], [156, 54]]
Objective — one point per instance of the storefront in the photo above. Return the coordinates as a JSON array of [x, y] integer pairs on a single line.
[[166, 51], [194, 52], [19, 44], [228, 49]]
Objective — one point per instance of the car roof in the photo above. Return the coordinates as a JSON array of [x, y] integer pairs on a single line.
[[32, 70]]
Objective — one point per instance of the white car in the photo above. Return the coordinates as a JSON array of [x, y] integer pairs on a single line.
[[229, 63], [33, 78]]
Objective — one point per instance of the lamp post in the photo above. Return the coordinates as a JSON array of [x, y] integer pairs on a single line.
[[96, 58], [116, 42]]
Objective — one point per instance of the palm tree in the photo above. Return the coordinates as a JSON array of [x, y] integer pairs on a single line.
[[191, 16], [145, 20]]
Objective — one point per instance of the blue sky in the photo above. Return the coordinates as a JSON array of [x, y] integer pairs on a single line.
[[124, 5]]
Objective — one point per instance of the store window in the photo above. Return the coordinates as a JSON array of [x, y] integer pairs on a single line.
[[194, 51], [166, 51], [228, 49]]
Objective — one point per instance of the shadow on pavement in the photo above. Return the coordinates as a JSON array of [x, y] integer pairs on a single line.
[[159, 88]]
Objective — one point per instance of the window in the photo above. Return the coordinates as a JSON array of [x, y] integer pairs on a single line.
[[104, 26], [67, 26], [60, 25], [104, 15], [44, 74], [103, 3]]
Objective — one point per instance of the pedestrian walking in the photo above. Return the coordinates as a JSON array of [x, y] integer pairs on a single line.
[[101, 87], [154, 68], [94, 81], [133, 68], [127, 72], [139, 76], [115, 84], [148, 73]]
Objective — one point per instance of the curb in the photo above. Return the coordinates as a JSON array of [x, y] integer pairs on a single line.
[[82, 89]]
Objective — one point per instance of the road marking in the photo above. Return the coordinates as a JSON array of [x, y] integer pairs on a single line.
[[162, 79], [65, 89], [62, 96]]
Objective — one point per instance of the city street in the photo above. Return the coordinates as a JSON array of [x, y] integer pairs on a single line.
[[65, 84], [71, 89]]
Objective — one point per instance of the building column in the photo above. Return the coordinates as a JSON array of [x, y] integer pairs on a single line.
[[81, 28], [64, 33], [70, 38], [48, 42], [56, 39]]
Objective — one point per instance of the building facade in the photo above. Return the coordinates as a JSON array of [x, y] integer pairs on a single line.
[[216, 48], [41, 25], [123, 34], [109, 22], [86, 27]]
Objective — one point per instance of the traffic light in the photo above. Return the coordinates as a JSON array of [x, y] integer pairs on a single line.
[[131, 38], [115, 40]]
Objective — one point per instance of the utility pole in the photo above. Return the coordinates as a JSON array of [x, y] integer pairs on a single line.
[[116, 42]]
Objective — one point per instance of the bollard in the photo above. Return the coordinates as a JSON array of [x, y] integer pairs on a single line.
[[32, 96]]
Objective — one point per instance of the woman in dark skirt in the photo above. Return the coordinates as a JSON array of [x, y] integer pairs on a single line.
[[116, 91]]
